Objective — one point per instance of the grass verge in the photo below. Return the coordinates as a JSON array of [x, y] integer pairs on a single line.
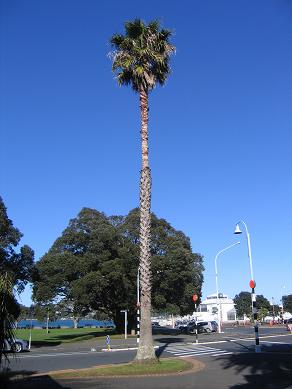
[[69, 335], [164, 366]]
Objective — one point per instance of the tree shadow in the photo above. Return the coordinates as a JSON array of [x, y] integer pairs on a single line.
[[56, 340], [23, 379], [272, 368], [40, 343], [36, 382]]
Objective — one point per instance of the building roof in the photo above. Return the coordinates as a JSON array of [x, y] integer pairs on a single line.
[[212, 299]]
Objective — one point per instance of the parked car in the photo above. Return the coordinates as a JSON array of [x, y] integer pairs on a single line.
[[185, 328], [289, 324], [163, 330], [181, 325], [214, 325], [16, 345], [288, 321], [202, 327]]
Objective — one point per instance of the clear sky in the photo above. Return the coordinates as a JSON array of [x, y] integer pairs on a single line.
[[220, 129]]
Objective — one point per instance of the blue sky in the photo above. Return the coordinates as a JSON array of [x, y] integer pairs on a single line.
[[220, 129]]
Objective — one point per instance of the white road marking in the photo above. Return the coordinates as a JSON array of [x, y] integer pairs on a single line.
[[225, 353], [55, 355], [195, 351]]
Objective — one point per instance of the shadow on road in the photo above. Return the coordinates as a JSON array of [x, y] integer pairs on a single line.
[[268, 369], [23, 379], [43, 382]]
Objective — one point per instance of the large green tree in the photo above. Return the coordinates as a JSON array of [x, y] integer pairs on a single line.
[[93, 266], [141, 59], [16, 270], [287, 303], [9, 312], [243, 306], [18, 265]]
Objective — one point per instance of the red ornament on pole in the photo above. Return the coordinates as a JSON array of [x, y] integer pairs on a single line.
[[252, 284], [195, 297]]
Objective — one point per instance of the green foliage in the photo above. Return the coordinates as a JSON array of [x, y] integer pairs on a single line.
[[93, 266], [15, 271], [287, 303], [9, 311], [243, 304], [262, 313], [25, 312], [276, 310], [19, 266], [262, 302], [141, 56], [58, 336], [164, 366]]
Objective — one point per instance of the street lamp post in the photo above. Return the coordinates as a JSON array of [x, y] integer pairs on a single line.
[[217, 288], [273, 307], [47, 326], [252, 285], [282, 308], [126, 321]]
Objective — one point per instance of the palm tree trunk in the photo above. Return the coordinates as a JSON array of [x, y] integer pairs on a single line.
[[145, 350]]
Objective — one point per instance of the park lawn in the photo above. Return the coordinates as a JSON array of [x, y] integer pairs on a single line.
[[164, 366], [64, 335]]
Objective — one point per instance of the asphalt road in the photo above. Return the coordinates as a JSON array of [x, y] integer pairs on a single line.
[[211, 347], [236, 371]]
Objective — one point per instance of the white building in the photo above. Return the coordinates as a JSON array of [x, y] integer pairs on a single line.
[[209, 308]]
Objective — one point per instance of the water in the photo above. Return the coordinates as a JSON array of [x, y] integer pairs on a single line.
[[65, 323]]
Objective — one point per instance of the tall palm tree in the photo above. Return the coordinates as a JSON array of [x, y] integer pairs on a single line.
[[141, 59]]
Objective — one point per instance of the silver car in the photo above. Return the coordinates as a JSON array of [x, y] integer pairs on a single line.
[[16, 345]]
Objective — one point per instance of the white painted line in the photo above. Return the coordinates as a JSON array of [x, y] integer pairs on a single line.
[[124, 349], [213, 341], [261, 337], [191, 349], [119, 349], [199, 352], [54, 355], [218, 355]]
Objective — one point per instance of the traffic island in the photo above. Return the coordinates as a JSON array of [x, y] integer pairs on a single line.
[[165, 366]]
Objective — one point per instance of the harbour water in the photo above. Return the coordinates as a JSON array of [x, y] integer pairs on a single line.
[[33, 323]]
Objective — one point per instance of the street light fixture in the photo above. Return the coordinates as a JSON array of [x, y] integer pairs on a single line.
[[217, 288], [283, 287], [252, 285]]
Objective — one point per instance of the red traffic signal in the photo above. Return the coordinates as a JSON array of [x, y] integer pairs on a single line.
[[252, 284], [195, 297]]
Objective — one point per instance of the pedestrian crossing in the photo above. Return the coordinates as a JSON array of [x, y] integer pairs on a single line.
[[191, 350]]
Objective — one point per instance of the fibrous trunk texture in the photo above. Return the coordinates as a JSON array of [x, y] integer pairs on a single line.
[[145, 350]]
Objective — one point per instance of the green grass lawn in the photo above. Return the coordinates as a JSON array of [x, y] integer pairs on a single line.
[[64, 335], [164, 366]]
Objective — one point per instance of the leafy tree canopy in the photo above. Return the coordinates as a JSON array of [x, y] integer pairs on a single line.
[[287, 303], [9, 312], [243, 304], [93, 265], [20, 265], [141, 56]]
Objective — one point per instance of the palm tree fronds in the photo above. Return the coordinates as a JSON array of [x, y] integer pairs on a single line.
[[141, 56]]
